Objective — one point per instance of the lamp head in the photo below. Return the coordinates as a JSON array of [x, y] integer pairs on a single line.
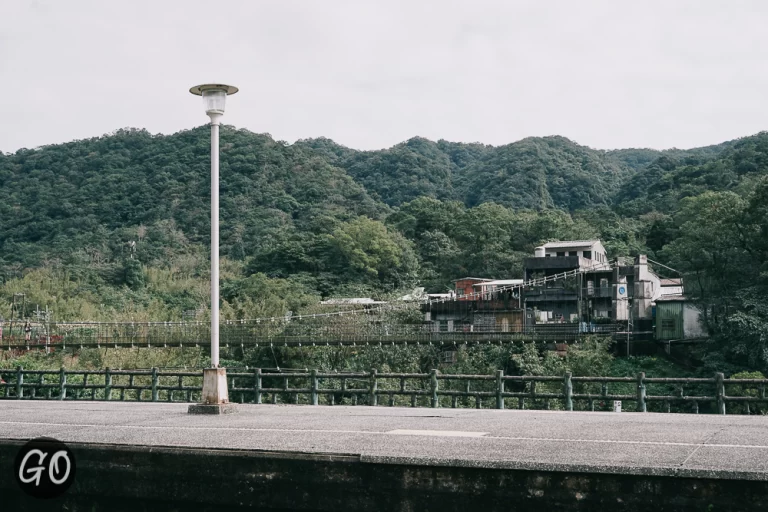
[[214, 96]]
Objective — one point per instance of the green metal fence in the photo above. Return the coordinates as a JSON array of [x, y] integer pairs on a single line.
[[433, 389]]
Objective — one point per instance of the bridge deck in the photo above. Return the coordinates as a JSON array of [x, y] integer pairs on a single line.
[[732, 447]]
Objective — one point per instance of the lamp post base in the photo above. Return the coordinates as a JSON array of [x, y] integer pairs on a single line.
[[215, 399], [212, 409]]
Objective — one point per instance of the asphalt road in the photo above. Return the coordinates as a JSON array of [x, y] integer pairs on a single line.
[[635, 443]]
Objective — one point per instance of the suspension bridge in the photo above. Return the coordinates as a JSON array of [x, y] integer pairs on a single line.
[[488, 317]]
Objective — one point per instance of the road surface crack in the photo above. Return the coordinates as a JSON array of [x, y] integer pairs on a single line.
[[702, 444]]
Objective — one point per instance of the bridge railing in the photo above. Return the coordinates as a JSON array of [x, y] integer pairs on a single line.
[[296, 333], [433, 389]]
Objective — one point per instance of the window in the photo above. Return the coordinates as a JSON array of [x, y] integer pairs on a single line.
[[561, 253], [588, 254], [573, 253], [449, 356]]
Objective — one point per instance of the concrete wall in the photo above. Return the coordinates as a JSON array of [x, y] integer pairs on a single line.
[[693, 323], [647, 288], [117, 478]]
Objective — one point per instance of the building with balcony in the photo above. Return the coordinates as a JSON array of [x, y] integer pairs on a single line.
[[589, 252], [574, 298], [573, 283], [591, 289], [477, 305]]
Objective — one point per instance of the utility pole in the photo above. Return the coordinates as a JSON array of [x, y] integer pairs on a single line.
[[581, 301], [15, 309], [47, 329], [629, 325], [44, 317]]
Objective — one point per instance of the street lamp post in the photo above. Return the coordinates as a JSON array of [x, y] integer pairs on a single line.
[[215, 398]]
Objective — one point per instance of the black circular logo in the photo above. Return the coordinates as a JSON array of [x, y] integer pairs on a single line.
[[45, 468]]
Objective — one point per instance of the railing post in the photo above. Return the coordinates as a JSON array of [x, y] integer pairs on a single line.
[[313, 376], [154, 384], [62, 384], [107, 384], [19, 382], [433, 387], [257, 385], [499, 389], [568, 391], [720, 392], [372, 398], [641, 406]]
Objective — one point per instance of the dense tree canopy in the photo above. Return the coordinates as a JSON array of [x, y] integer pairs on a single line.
[[118, 226]]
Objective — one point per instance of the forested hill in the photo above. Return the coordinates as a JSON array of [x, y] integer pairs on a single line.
[[536, 172], [736, 166], [118, 226], [548, 172], [93, 194], [85, 201]]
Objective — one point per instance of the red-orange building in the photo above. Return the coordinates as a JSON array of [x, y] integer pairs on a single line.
[[465, 287]]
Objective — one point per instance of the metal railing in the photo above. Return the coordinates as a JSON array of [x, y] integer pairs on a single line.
[[433, 389]]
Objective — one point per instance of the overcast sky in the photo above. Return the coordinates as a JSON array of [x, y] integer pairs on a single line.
[[370, 74]]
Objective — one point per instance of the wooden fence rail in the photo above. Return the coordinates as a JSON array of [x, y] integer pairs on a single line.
[[433, 389]]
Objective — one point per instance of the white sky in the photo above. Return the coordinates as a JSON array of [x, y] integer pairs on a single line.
[[370, 74]]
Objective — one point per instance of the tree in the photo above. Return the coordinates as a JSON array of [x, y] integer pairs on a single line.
[[712, 248], [374, 253]]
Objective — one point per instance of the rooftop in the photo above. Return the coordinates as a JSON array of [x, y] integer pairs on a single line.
[[356, 300], [472, 279], [671, 298], [570, 243]]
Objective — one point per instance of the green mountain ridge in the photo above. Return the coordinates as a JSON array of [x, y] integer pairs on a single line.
[[117, 227], [85, 200], [555, 171]]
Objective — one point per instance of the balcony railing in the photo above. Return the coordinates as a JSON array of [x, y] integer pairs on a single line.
[[602, 292]]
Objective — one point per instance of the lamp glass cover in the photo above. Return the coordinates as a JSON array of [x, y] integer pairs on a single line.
[[214, 100]]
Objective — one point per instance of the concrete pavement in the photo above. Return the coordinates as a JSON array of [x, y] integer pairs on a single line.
[[703, 446]]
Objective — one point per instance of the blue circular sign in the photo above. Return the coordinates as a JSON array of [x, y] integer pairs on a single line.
[[622, 290]]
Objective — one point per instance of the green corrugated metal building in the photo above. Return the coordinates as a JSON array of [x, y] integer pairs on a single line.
[[669, 320]]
